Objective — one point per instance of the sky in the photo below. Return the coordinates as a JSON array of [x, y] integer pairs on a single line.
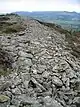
[[7, 6]]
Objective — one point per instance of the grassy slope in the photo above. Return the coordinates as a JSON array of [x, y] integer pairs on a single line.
[[74, 25], [11, 23], [68, 20]]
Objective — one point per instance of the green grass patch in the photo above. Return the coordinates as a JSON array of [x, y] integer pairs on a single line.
[[13, 28], [11, 23]]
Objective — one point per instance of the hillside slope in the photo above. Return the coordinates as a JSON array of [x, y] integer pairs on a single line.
[[37, 68], [68, 20]]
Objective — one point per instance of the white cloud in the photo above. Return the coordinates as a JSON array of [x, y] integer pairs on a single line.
[[38, 5]]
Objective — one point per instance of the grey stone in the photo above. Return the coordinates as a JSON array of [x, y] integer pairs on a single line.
[[61, 67], [26, 62], [6, 104], [45, 74], [38, 84], [26, 84], [21, 33], [76, 100], [12, 106], [57, 81], [15, 101], [71, 74], [49, 102], [41, 68], [68, 82], [4, 98], [4, 86], [61, 101], [4, 101], [25, 55], [27, 100], [8, 93], [16, 91]]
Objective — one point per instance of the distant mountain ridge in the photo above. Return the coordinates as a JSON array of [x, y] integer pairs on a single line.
[[51, 14], [64, 18]]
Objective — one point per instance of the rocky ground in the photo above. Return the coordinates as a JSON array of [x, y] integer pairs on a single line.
[[38, 69]]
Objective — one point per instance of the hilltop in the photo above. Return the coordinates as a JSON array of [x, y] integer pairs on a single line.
[[39, 64]]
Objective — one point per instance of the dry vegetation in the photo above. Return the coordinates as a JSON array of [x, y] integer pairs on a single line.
[[8, 25], [5, 62], [74, 43]]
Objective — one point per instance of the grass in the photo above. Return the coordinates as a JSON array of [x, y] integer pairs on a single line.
[[74, 43], [70, 24], [13, 28], [11, 23], [55, 26], [8, 27], [5, 62]]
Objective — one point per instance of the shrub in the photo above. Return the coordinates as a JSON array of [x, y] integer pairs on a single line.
[[13, 28]]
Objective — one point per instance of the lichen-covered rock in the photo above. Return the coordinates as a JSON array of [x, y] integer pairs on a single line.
[[4, 98], [4, 101]]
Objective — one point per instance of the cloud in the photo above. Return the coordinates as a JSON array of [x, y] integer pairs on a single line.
[[39, 5]]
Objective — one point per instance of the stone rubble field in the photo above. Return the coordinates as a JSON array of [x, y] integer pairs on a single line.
[[43, 71]]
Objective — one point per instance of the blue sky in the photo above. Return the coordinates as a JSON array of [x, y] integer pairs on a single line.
[[39, 5]]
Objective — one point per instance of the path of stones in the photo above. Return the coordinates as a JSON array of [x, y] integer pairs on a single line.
[[45, 74]]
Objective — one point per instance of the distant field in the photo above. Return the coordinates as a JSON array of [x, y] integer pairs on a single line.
[[67, 24], [68, 20], [75, 25]]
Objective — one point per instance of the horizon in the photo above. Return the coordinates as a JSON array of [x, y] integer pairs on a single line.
[[48, 11], [39, 5], [37, 11]]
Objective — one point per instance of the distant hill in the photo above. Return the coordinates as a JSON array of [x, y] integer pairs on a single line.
[[63, 15], [64, 18]]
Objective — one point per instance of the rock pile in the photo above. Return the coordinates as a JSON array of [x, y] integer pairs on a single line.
[[45, 73]]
